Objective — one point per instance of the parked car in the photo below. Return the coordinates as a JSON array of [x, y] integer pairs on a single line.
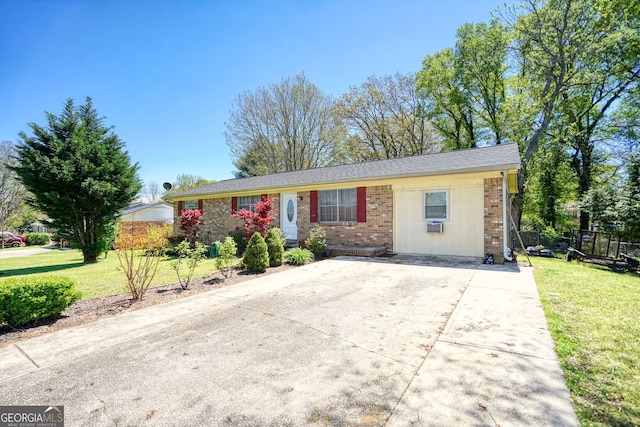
[[14, 240]]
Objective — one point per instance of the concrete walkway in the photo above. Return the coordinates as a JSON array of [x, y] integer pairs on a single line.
[[340, 342]]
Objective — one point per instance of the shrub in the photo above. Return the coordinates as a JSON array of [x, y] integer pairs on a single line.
[[139, 258], [224, 262], [317, 241], [28, 299], [299, 256], [192, 256], [275, 246], [190, 222], [38, 239], [256, 257], [257, 221], [238, 237]]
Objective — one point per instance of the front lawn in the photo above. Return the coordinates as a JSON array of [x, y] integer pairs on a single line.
[[93, 280], [594, 318]]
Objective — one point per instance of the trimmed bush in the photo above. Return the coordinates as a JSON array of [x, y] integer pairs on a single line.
[[238, 237], [299, 256], [29, 299], [38, 239], [256, 257], [317, 241], [275, 246]]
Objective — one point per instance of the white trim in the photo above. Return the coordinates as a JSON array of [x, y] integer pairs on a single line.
[[424, 205]]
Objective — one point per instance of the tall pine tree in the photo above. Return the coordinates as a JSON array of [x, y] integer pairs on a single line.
[[79, 175]]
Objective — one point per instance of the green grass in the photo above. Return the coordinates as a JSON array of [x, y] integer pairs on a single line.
[[93, 280], [594, 318]]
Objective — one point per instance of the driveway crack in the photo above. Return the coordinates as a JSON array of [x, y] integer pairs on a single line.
[[24, 353], [428, 351]]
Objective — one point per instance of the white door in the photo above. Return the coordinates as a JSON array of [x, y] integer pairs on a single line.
[[289, 215]]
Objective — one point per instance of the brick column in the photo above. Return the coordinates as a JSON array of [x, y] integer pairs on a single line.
[[493, 220]]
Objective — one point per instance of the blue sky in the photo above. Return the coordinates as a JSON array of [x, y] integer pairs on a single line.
[[165, 73]]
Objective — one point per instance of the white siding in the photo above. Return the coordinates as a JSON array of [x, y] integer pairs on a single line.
[[463, 232], [160, 212]]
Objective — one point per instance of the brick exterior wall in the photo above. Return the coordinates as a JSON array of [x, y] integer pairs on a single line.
[[493, 220], [217, 220], [377, 231]]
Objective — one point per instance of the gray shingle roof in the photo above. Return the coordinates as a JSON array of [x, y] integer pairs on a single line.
[[494, 158]]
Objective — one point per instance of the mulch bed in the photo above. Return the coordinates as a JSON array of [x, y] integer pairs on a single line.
[[90, 310]]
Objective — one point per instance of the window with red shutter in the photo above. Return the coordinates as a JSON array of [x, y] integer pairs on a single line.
[[362, 204], [313, 206]]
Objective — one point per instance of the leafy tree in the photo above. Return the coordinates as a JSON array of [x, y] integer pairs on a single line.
[[464, 88], [190, 222], [257, 221], [12, 192], [186, 181], [79, 175], [256, 257], [284, 127], [575, 58], [384, 120]]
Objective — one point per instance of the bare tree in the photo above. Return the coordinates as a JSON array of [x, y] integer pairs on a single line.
[[292, 125], [151, 192], [12, 193], [383, 119]]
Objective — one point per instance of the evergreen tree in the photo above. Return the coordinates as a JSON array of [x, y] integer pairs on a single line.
[[79, 175]]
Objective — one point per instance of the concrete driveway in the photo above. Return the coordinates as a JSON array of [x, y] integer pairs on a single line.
[[340, 342]]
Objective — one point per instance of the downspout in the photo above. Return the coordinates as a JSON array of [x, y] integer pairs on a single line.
[[506, 224]]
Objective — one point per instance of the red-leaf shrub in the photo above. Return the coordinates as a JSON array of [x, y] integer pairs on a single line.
[[190, 222], [256, 221]]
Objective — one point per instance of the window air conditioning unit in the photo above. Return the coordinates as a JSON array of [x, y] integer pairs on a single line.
[[435, 227]]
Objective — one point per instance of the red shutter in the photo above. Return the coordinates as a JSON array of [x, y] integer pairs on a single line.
[[200, 205], [234, 205], [179, 207], [313, 206], [362, 204]]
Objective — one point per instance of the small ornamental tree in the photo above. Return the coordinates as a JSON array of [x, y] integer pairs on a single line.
[[192, 256], [190, 222], [257, 221], [256, 257], [275, 246], [224, 263]]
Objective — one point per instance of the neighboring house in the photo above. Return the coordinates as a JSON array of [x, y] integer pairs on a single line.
[[135, 218], [452, 203]]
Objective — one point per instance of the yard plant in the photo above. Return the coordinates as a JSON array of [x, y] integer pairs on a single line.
[[92, 280], [29, 299], [189, 256], [256, 257], [593, 315], [298, 256], [275, 246], [226, 259]]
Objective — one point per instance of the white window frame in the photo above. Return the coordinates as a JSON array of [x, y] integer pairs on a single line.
[[189, 204], [337, 206], [424, 206], [249, 202]]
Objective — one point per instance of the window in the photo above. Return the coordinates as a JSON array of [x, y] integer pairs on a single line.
[[436, 205], [338, 205], [248, 202], [189, 204]]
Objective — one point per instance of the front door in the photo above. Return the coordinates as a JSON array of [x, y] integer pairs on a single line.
[[289, 215]]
